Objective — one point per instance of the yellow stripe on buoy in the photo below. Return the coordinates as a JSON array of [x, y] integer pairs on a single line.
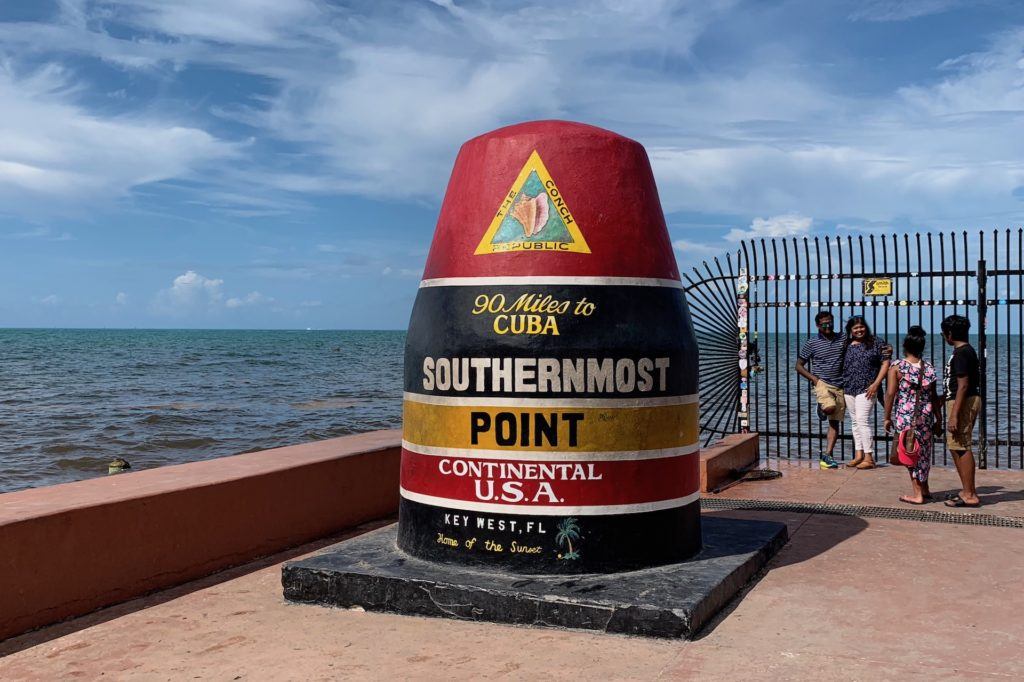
[[551, 429]]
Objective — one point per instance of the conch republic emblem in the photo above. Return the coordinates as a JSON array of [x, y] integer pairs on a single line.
[[534, 215], [550, 406]]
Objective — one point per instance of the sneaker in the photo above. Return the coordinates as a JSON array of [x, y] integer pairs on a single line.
[[826, 462]]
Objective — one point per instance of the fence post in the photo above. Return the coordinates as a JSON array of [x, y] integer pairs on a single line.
[[983, 362], [742, 285]]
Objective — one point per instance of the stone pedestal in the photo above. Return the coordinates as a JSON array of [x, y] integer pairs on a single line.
[[675, 600]]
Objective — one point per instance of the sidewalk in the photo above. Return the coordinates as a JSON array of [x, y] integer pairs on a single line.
[[847, 598], [1001, 491]]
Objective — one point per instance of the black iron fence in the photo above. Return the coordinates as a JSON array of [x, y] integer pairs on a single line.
[[753, 309]]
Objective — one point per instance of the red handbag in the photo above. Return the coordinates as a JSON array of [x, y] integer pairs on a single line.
[[908, 450]]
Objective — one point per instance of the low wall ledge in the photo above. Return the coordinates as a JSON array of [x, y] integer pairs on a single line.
[[72, 548]]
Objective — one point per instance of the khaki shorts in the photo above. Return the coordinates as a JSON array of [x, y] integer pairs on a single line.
[[830, 396], [961, 439]]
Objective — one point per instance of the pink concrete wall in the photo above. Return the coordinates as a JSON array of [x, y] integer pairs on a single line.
[[69, 549], [720, 461]]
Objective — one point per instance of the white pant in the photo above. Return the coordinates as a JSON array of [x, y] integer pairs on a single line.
[[859, 409]]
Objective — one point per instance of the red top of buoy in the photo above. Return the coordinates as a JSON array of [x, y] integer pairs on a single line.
[[550, 198]]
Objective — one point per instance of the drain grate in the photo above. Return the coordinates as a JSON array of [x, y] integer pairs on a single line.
[[719, 504]]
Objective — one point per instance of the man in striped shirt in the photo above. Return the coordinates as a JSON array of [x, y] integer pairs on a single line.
[[822, 355]]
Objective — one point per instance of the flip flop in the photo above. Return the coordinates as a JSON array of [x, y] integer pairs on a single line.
[[957, 501], [904, 500]]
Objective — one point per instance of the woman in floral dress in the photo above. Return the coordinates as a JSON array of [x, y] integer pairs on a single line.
[[901, 401]]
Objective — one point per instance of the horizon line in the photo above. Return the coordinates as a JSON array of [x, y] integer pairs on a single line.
[[204, 329]]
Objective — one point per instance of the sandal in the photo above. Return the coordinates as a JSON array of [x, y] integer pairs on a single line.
[[957, 501], [865, 465]]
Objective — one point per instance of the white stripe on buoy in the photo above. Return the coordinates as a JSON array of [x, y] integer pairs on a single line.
[[552, 456], [531, 280], [488, 401], [542, 510]]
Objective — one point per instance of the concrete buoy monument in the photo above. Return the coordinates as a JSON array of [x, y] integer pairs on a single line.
[[551, 367], [550, 406]]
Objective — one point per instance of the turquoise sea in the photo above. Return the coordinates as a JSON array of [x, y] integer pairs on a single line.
[[72, 400]]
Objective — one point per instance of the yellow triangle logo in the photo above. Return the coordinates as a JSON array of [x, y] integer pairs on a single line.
[[533, 216]]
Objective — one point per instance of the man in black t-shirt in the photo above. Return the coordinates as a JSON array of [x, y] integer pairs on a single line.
[[963, 404]]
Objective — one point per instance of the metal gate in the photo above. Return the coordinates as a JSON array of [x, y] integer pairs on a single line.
[[753, 309]]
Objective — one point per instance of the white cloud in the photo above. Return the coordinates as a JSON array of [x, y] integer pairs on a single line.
[[361, 124], [788, 225], [121, 298], [45, 233], [50, 300], [979, 83], [344, 81], [375, 98], [408, 273], [253, 298], [51, 147], [901, 10], [690, 253], [689, 249], [246, 22], [195, 295], [190, 292], [240, 204]]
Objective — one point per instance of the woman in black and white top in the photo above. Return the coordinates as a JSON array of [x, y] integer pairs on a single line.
[[865, 363]]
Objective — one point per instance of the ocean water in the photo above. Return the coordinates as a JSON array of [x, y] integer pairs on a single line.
[[73, 400]]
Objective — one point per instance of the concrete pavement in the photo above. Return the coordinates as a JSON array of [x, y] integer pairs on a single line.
[[847, 598]]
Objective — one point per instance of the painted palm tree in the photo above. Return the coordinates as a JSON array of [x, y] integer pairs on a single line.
[[568, 530]]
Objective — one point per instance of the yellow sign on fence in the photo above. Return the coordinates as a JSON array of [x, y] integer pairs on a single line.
[[875, 286]]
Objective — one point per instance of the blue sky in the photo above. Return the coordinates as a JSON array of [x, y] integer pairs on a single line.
[[280, 163]]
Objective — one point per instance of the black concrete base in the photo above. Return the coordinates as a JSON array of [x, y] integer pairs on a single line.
[[668, 601], [610, 542]]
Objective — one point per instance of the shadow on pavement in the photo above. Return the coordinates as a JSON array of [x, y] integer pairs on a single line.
[[809, 536], [988, 494]]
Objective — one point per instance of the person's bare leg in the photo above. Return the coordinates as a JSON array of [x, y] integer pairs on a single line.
[[833, 433], [965, 468], [917, 497]]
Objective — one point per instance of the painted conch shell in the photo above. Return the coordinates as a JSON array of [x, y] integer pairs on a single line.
[[531, 212]]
